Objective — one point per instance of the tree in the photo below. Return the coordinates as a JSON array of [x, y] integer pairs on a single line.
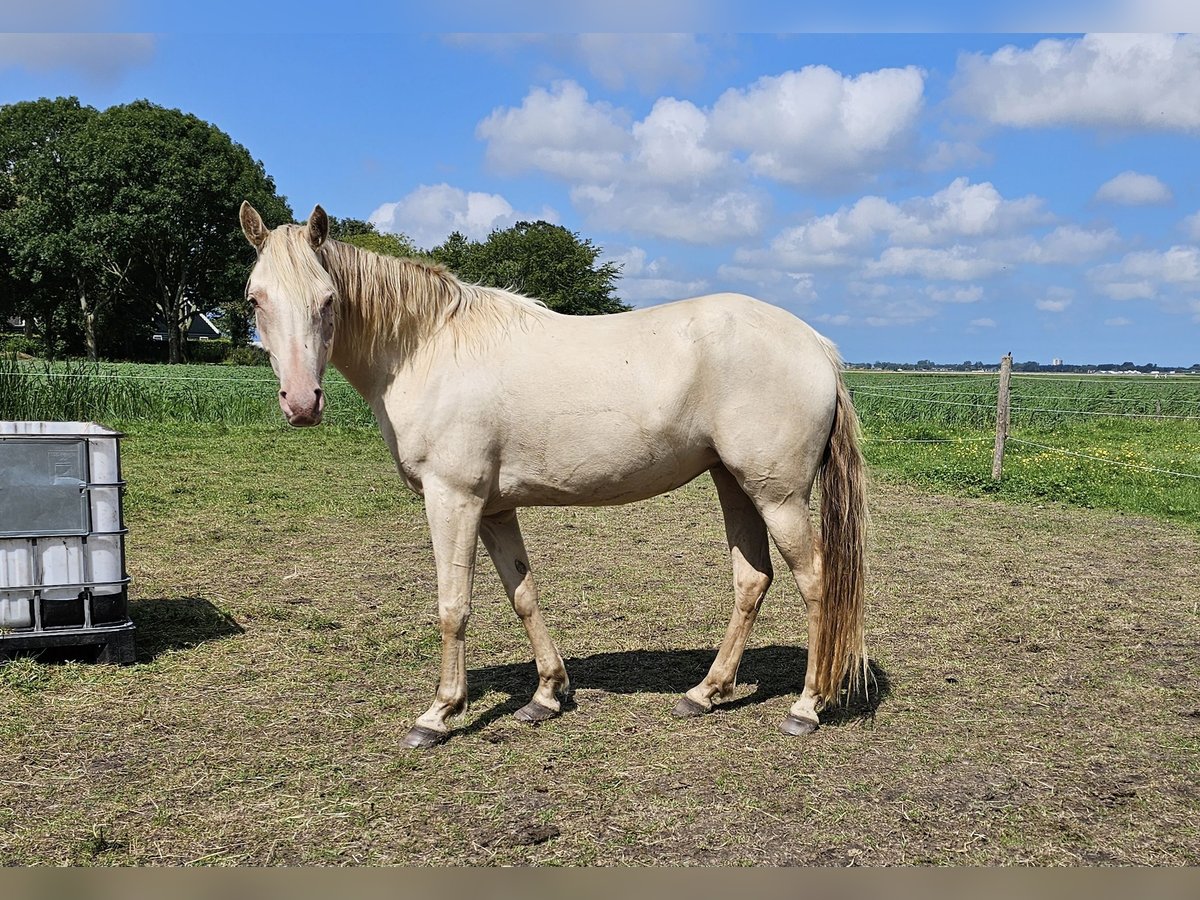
[[365, 235], [51, 258], [340, 229], [166, 186], [453, 253], [386, 244], [540, 260]]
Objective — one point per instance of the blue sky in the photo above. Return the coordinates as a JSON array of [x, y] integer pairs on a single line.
[[930, 195]]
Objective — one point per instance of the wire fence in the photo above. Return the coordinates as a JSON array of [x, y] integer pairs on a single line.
[[1145, 433], [957, 413]]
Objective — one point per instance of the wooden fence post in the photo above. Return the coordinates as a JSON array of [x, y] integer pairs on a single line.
[[1002, 415]]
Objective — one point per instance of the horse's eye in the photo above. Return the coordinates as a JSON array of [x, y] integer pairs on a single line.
[[328, 304]]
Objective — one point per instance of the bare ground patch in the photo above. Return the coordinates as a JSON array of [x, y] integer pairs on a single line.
[[1043, 670]]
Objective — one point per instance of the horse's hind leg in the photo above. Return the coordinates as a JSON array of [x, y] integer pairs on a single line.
[[502, 537], [792, 530], [751, 555]]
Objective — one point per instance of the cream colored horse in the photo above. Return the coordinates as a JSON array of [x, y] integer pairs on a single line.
[[489, 402]]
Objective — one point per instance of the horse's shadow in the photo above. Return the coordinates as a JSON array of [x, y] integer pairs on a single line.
[[776, 670]]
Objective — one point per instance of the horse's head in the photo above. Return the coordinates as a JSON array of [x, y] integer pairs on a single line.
[[293, 298]]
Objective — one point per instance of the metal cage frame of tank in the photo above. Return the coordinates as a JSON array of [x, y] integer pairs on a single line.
[[102, 624]]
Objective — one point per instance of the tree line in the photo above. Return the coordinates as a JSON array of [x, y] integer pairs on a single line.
[[112, 221], [926, 365]]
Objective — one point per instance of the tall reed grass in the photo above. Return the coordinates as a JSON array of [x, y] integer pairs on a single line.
[[117, 392]]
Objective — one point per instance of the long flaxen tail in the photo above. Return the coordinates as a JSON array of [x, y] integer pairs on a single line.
[[840, 643]]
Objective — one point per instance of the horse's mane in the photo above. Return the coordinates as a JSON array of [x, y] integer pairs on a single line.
[[398, 302]]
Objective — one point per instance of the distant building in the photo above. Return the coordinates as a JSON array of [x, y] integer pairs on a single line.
[[1056, 362], [202, 329]]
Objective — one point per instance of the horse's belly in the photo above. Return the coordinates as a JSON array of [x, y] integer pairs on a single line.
[[596, 479]]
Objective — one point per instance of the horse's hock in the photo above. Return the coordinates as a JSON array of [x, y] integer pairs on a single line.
[[62, 541]]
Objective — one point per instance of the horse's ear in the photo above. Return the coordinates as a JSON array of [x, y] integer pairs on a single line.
[[252, 225], [318, 227]]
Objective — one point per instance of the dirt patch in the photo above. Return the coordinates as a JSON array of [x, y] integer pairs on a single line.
[[1041, 670]]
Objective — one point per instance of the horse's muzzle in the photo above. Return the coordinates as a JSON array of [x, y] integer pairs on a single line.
[[303, 409]]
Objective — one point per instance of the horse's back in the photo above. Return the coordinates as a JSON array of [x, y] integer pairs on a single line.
[[613, 408]]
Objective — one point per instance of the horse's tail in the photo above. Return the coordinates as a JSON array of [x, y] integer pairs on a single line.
[[840, 644]]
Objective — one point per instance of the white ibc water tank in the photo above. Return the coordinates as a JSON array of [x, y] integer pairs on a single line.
[[105, 542], [61, 530]]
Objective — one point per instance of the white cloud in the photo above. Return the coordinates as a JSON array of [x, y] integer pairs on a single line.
[[833, 319], [671, 146], [963, 210], [969, 294], [1069, 245], [682, 171], [646, 281], [983, 323], [959, 211], [1056, 300], [808, 126], [1137, 81], [1178, 265], [905, 311], [956, 263], [1118, 322], [954, 155], [1129, 290], [802, 127], [1143, 275], [803, 286], [557, 131], [1191, 225], [645, 60], [698, 218], [104, 57], [429, 213], [1134, 189]]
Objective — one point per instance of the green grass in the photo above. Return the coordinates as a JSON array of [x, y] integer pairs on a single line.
[[132, 392], [934, 430], [1087, 441], [1041, 708]]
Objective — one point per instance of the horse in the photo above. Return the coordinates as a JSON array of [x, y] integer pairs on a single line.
[[489, 402]]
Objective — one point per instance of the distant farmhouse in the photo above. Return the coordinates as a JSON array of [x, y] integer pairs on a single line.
[[202, 329]]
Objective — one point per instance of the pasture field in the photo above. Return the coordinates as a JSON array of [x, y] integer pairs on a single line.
[[1130, 444], [1038, 669], [1086, 441]]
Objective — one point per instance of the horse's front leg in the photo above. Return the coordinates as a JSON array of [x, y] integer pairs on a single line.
[[454, 517], [502, 537]]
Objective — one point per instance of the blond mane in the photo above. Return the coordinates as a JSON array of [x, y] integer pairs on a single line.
[[387, 301]]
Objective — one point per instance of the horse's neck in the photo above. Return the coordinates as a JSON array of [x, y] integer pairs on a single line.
[[378, 333]]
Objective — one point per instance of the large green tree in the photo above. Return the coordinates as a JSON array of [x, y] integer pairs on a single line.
[[58, 271], [364, 234], [539, 259], [167, 185], [108, 219]]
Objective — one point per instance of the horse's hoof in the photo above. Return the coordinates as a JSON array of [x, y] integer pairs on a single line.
[[533, 712], [687, 708], [420, 738], [797, 726]]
